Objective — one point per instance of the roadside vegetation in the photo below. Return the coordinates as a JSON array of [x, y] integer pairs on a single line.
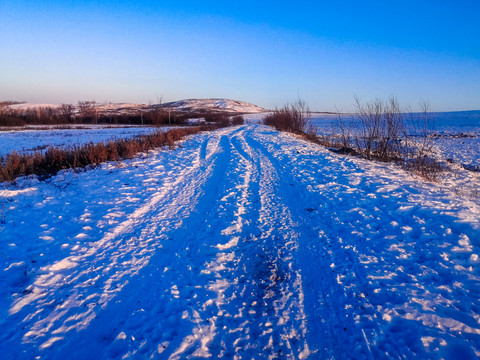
[[294, 118], [378, 130], [48, 163]]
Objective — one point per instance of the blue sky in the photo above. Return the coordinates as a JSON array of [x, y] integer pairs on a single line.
[[267, 53]]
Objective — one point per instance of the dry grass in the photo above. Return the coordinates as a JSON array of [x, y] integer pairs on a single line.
[[55, 159]]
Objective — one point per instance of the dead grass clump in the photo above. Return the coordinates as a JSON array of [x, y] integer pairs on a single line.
[[112, 151], [54, 159], [323, 140], [12, 166]]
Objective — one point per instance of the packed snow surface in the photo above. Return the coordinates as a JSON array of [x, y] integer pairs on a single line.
[[241, 243]]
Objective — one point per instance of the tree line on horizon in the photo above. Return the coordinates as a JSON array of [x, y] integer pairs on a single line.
[[91, 112]]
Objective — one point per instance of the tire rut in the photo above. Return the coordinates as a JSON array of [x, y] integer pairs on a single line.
[[109, 262], [327, 302]]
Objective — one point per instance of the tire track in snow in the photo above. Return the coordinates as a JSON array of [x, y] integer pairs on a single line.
[[269, 289], [248, 278], [371, 231], [107, 263], [280, 245], [261, 246], [313, 259], [227, 288], [168, 287], [100, 326], [331, 305]]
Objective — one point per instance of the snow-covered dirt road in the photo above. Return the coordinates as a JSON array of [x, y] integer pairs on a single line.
[[243, 243]]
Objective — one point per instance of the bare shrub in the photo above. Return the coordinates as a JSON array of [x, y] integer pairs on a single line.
[[39, 115], [425, 166], [381, 131], [156, 116], [66, 112], [418, 126], [293, 118], [9, 117], [237, 120], [341, 131], [219, 118]]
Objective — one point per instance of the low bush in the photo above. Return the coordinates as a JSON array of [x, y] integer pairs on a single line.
[[237, 120], [221, 119], [293, 118], [426, 167]]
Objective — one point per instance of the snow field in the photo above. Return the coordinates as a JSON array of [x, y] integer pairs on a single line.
[[29, 141], [465, 151], [457, 134], [242, 243]]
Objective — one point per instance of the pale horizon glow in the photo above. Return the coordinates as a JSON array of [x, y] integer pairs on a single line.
[[267, 54]]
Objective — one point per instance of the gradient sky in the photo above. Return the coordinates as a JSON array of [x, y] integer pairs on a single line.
[[267, 53]]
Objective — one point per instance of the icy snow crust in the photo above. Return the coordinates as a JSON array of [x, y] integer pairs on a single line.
[[241, 243]]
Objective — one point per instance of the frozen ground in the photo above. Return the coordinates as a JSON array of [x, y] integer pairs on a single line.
[[242, 243]]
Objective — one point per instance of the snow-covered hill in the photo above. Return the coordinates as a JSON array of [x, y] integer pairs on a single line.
[[218, 105], [25, 106], [184, 106]]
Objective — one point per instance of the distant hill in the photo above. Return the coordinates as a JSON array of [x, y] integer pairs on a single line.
[[213, 105], [180, 106]]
